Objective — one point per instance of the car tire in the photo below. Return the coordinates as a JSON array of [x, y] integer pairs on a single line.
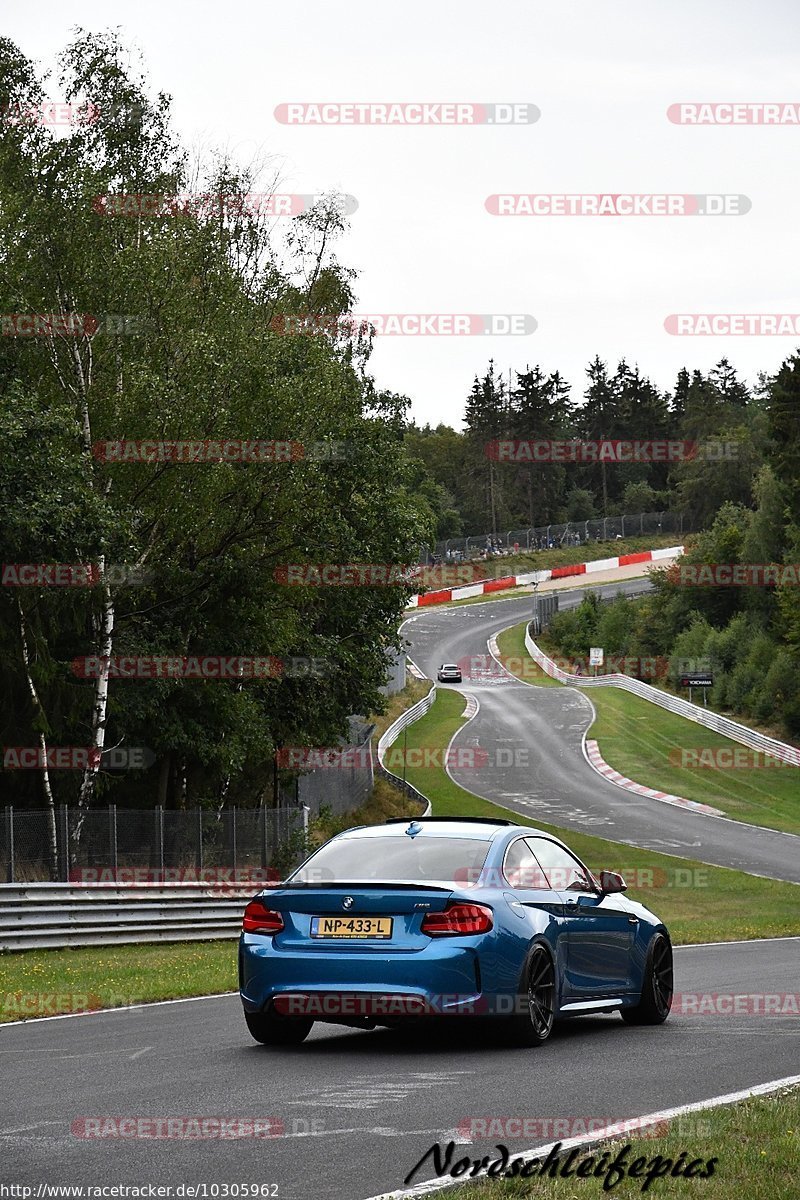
[[537, 996], [272, 1029], [657, 986]]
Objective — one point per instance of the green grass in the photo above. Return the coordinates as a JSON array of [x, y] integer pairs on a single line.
[[38, 982], [645, 742], [516, 660], [756, 1143], [699, 903]]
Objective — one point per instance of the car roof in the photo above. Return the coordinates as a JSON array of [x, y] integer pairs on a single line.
[[483, 829]]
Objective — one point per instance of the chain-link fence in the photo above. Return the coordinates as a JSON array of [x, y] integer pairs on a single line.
[[153, 843], [571, 533], [147, 845], [344, 778]]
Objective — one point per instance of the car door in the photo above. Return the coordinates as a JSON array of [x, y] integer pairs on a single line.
[[600, 929], [528, 889]]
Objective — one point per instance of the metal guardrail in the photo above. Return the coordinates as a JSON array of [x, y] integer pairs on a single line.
[[674, 704], [390, 735], [42, 916]]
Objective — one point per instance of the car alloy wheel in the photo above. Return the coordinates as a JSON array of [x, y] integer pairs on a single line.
[[662, 976], [541, 992], [656, 998]]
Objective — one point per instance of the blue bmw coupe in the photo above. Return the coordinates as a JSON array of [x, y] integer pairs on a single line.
[[468, 917]]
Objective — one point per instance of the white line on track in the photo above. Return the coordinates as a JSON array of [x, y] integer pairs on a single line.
[[785, 937], [760, 1089], [97, 1012]]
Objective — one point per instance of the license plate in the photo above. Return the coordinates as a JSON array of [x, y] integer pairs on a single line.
[[351, 927]]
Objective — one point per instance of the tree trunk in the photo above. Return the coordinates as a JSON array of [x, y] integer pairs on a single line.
[[99, 713], [52, 835], [164, 774]]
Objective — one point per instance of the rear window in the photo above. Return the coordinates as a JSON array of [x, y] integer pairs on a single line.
[[394, 860]]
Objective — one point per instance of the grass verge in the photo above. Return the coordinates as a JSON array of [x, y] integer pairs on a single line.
[[650, 745], [699, 903], [36, 983], [516, 660], [671, 754], [756, 1144]]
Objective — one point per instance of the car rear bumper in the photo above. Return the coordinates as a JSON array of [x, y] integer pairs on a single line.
[[442, 978], [377, 1007]]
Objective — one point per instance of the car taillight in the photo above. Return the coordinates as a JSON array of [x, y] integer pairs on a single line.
[[260, 919], [458, 918]]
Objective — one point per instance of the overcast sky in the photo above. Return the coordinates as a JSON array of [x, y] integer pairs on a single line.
[[602, 72]]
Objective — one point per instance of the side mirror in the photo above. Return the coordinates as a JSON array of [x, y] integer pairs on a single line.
[[611, 881]]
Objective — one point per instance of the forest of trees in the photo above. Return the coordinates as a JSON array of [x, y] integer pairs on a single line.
[[748, 635], [476, 494], [175, 318], [179, 343]]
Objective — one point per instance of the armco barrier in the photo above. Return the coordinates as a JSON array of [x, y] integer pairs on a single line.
[[674, 704], [443, 595], [41, 916], [390, 736]]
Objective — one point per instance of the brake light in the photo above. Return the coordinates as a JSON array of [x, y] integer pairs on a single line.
[[260, 919], [458, 918]]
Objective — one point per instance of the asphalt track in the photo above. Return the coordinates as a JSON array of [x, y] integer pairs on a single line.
[[357, 1110], [534, 764], [360, 1108]]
